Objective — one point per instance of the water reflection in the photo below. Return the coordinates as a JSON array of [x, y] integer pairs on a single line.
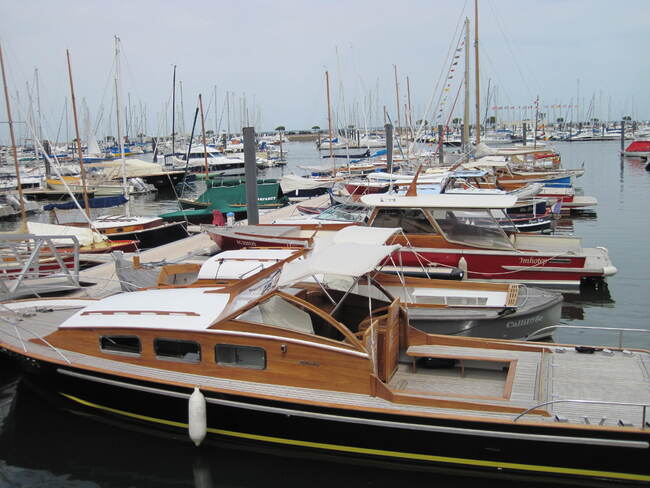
[[44, 443]]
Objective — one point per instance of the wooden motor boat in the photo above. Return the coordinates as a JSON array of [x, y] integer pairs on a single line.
[[475, 309], [266, 364], [448, 232]]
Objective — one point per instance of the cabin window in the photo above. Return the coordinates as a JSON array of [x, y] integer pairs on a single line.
[[279, 312], [474, 227], [177, 350], [240, 356], [121, 344], [411, 220]]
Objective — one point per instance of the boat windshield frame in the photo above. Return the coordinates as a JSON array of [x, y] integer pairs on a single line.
[[459, 225], [342, 215]]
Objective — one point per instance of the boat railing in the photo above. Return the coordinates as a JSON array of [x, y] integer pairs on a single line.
[[28, 260], [619, 330], [644, 407], [37, 337]]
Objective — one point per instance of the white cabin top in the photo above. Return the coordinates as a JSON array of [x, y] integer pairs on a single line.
[[179, 309], [108, 221], [241, 263], [439, 201]]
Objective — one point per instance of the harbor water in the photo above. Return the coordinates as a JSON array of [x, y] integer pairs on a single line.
[[42, 444]]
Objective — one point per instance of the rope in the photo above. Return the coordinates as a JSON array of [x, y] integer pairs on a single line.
[[525, 268]]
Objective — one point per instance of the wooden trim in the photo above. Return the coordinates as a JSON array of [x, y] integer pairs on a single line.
[[338, 325], [510, 379], [385, 392], [170, 270], [140, 312], [513, 294], [387, 279]]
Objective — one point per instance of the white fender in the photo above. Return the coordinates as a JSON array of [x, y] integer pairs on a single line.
[[462, 264], [197, 423]]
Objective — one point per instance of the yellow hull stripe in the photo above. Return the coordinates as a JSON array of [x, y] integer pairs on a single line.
[[380, 452]]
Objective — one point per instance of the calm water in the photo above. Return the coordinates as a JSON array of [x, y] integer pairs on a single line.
[[42, 445]]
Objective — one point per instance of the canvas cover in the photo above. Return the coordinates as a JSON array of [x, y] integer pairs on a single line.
[[84, 235], [345, 259]]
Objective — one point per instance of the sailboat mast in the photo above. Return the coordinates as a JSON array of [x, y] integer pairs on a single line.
[[23, 214], [119, 127], [216, 120], [536, 122], [476, 74], [329, 115], [48, 170], [82, 168], [409, 115], [174, 113], [205, 148], [466, 111], [397, 99]]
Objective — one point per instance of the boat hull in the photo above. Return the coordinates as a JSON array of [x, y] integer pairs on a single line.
[[538, 309], [547, 451], [155, 236], [546, 269]]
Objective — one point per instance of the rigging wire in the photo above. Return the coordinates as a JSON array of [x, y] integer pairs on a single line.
[[512, 53], [449, 55]]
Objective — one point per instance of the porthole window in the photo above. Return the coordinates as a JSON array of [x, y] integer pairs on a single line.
[[177, 350], [240, 356], [121, 344]]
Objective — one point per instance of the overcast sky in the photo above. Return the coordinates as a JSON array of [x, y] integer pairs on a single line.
[[274, 54]]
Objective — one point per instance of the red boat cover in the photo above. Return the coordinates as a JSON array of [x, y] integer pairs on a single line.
[[638, 146]]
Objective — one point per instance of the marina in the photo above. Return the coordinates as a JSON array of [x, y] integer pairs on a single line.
[[446, 292]]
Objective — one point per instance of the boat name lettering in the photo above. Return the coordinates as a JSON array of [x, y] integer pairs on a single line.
[[534, 261], [245, 243], [511, 324], [309, 363]]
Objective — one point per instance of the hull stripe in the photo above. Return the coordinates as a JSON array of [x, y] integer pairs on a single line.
[[379, 452], [590, 441]]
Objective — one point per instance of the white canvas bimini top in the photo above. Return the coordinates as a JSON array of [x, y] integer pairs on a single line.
[[241, 263], [364, 235], [346, 259], [439, 201], [171, 308]]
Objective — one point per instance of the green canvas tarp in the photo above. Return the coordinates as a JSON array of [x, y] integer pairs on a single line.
[[227, 198]]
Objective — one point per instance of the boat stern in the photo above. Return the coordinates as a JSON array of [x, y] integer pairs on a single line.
[[598, 263]]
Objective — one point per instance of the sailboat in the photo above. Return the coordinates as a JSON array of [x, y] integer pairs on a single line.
[[150, 231]]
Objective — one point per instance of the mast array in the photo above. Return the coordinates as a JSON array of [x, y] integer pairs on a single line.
[[14, 152], [82, 169]]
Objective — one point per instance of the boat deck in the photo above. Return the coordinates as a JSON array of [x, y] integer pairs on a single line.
[[530, 378]]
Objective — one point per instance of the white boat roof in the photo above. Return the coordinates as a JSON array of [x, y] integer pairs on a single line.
[[364, 235], [345, 259], [241, 263], [439, 201], [179, 309]]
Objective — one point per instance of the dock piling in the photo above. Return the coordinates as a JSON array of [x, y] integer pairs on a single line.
[[250, 167]]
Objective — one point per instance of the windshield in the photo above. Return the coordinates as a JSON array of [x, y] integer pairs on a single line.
[[474, 227], [343, 214]]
